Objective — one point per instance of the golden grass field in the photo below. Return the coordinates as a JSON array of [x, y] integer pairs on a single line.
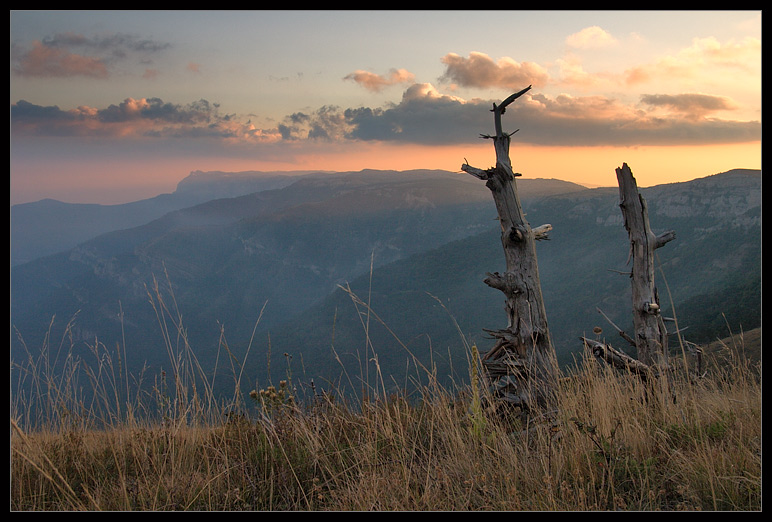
[[608, 443]]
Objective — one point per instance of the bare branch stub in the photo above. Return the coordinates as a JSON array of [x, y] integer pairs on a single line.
[[500, 109]]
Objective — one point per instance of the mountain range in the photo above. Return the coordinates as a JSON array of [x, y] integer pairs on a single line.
[[255, 265]]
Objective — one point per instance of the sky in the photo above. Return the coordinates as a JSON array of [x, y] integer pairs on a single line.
[[115, 106]]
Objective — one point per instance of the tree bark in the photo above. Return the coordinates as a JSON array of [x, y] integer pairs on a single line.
[[521, 365], [650, 332]]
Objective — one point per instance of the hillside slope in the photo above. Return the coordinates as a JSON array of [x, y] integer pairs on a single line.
[[709, 279], [226, 258], [429, 237]]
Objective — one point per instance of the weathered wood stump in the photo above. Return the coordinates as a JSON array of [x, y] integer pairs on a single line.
[[650, 332]]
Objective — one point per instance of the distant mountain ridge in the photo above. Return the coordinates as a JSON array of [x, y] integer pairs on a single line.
[[429, 237], [49, 226]]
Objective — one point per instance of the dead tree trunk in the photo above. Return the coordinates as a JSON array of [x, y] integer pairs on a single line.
[[650, 337], [522, 365], [650, 332]]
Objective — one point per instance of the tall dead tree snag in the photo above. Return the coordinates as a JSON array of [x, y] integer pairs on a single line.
[[650, 336], [522, 365], [650, 332]]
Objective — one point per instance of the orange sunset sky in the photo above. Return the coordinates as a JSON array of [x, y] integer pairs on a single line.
[[110, 107]]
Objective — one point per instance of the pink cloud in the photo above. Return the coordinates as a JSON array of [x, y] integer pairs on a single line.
[[479, 70], [590, 38], [690, 105], [377, 82], [43, 60], [705, 54]]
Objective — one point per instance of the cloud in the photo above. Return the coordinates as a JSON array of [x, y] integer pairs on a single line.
[[600, 120], [730, 54], [141, 118], [479, 70], [573, 75], [326, 123], [428, 117], [155, 109], [376, 82], [71, 54], [590, 38], [703, 57], [116, 44], [691, 105], [47, 61], [423, 116]]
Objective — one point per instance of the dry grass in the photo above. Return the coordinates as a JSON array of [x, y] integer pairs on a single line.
[[610, 443]]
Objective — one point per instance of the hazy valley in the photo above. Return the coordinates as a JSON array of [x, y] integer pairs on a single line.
[[255, 262]]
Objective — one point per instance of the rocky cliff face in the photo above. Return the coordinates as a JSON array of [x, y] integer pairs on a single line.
[[731, 197]]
